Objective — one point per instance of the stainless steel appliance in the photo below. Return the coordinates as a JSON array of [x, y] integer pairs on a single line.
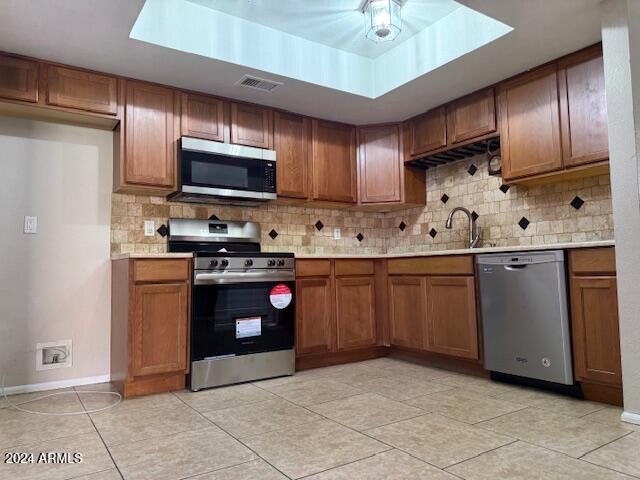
[[524, 314], [214, 172], [243, 303]]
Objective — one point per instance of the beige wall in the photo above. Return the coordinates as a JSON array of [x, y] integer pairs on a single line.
[[54, 285], [553, 219]]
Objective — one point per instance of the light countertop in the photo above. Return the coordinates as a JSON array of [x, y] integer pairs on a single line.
[[120, 256]]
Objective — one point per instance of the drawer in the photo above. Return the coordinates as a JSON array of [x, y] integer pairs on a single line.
[[313, 268], [585, 261], [161, 270], [354, 267], [437, 265]]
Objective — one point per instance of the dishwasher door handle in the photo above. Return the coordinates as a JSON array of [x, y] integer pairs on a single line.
[[514, 268]]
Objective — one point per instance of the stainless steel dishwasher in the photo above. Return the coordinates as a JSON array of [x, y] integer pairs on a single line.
[[524, 312]]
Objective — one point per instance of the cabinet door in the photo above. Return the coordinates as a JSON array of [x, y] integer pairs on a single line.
[[452, 327], [355, 310], [407, 311], [334, 161], [202, 117], [530, 124], [471, 116], [583, 108], [159, 330], [292, 142], [315, 320], [251, 125], [379, 164], [150, 155], [596, 339], [81, 90], [429, 131], [18, 79]]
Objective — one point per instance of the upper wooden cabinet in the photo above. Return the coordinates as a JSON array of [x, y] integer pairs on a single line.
[[292, 142], [380, 164], [530, 124], [251, 125], [407, 311], [202, 117], [18, 79], [429, 131], [334, 162], [471, 116], [452, 327], [583, 108], [147, 154], [82, 90], [355, 312]]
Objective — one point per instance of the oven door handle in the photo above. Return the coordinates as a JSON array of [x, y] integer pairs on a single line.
[[201, 278]]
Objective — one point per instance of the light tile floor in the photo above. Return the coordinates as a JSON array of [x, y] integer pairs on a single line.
[[379, 419]]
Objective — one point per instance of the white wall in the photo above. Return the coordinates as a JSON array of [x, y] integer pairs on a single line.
[[54, 285], [621, 47]]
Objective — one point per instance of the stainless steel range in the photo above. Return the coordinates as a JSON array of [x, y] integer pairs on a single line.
[[243, 303]]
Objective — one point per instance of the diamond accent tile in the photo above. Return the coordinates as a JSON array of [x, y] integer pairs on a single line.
[[474, 215], [433, 232], [524, 223], [577, 203], [444, 198], [472, 170], [402, 226], [273, 234], [163, 230], [319, 225], [360, 237], [213, 217], [504, 188]]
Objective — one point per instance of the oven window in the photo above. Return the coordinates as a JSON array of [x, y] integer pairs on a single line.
[[236, 176]]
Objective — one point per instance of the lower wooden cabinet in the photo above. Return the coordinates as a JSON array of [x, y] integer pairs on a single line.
[[407, 311], [594, 317], [452, 326], [150, 324], [314, 315], [355, 312]]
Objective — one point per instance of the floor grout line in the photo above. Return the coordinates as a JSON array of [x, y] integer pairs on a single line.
[[605, 444], [480, 454]]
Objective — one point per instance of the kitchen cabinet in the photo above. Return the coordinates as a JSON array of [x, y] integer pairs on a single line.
[[452, 326], [429, 131], [583, 108], [355, 310], [18, 79], [81, 90], [292, 143], [202, 117], [594, 316], [379, 164], [251, 125], [146, 140], [407, 311], [333, 161], [150, 324], [314, 315], [530, 124], [471, 116]]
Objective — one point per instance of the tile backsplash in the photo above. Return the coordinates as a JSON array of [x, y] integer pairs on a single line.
[[569, 211]]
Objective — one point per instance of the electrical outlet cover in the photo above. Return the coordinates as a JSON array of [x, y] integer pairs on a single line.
[[336, 234], [44, 350], [30, 224], [149, 228]]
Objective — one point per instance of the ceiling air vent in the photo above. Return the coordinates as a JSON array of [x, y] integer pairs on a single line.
[[258, 83]]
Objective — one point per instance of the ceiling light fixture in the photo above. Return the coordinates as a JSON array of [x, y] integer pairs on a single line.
[[382, 20]]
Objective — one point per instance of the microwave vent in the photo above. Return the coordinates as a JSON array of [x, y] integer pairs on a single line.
[[257, 83]]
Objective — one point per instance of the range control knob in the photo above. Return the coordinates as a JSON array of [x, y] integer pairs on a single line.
[[280, 263], [213, 263], [248, 262], [271, 263], [224, 263]]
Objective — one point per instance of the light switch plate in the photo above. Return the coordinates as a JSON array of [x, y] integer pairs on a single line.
[[336, 234], [149, 228], [30, 224]]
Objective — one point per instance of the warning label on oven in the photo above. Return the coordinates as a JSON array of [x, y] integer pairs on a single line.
[[280, 296], [248, 327]]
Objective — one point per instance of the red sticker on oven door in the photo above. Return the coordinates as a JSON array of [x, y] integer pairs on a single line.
[[280, 296]]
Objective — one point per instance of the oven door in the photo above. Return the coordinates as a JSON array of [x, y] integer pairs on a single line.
[[241, 318]]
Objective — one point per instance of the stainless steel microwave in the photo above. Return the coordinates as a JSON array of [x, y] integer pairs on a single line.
[[214, 172]]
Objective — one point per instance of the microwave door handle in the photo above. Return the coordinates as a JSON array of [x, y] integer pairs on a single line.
[[203, 278]]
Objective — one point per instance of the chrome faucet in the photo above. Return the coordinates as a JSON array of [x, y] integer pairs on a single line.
[[474, 236]]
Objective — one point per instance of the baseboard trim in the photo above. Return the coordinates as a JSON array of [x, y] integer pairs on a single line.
[[630, 417], [305, 362], [72, 382]]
